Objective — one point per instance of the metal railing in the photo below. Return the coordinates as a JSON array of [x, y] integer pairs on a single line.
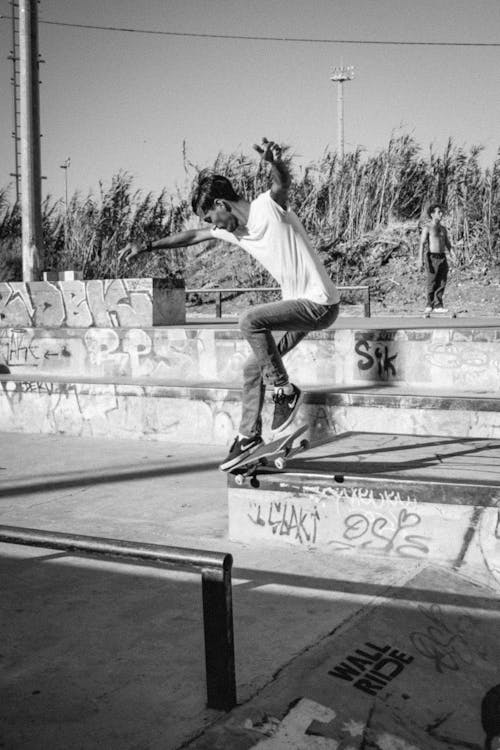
[[218, 292], [215, 568]]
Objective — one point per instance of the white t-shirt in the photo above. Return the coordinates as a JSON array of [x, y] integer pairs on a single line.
[[277, 239]]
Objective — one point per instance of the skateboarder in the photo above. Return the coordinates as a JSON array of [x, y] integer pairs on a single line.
[[435, 242], [267, 229]]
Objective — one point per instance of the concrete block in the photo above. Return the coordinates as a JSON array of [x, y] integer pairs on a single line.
[[359, 518], [51, 276], [108, 303], [62, 276]]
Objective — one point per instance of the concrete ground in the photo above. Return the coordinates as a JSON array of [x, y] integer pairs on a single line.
[[107, 654]]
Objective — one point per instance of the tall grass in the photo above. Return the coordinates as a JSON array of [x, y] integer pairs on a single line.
[[345, 206]]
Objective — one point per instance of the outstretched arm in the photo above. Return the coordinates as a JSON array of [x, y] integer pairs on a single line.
[[271, 152], [180, 239]]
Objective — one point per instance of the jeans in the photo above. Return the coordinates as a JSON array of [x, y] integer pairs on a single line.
[[437, 275], [297, 317]]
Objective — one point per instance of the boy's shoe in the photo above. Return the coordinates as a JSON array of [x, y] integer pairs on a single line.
[[285, 408], [240, 447], [441, 309], [428, 310]]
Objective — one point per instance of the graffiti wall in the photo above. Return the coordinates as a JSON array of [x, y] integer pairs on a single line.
[[466, 360], [80, 304], [163, 354], [449, 358], [110, 410], [351, 519]]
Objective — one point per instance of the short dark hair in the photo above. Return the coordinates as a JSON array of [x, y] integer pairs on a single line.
[[208, 187], [432, 208]]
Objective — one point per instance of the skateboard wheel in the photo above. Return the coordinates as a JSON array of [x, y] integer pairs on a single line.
[[254, 482], [239, 479], [339, 478], [280, 463], [304, 444]]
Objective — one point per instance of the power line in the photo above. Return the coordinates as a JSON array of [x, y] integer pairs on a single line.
[[266, 38]]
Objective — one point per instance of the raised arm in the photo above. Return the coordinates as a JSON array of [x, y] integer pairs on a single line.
[[271, 152], [180, 239]]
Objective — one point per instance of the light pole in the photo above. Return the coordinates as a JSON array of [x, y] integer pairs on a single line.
[[340, 74], [65, 166]]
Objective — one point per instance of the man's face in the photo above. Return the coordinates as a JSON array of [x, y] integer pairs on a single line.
[[220, 215], [437, 214]]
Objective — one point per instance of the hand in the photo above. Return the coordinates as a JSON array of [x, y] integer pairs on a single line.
[[129, 252], [269, 151]]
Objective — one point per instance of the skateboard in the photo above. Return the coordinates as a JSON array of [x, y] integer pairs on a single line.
[[440, 315], [276, 452]]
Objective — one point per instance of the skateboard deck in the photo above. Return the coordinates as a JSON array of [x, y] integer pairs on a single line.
[[440, 315], [277, 452]]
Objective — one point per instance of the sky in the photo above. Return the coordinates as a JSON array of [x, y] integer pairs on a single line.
[[114, 101]]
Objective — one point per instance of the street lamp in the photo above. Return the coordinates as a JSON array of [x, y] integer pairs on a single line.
[[341, 74], [65, 166]]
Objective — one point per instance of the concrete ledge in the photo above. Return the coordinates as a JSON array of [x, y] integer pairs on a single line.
[[104, 303], [139, 408], [457, 359], [413, 499], [401, 398]]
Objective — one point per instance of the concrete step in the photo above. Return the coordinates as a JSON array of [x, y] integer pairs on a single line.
[[423, 497], [135, 408], [459, 355], [435, 411]]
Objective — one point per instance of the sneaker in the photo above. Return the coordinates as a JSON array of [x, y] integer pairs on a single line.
[[428, 310], [285, 408], [240, 447], [441, 309]]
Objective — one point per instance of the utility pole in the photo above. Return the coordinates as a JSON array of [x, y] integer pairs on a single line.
[[341, 74], [31, 177], [14, 56]]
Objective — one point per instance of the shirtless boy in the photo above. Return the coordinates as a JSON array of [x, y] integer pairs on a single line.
[[435, 241], [268, 230]]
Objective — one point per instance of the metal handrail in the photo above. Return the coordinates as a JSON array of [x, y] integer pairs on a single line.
[[219, 291], [215, 568]]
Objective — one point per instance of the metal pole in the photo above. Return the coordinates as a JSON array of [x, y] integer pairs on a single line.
[[340, 119], [368, 311], [341, 74], [65, 166], [31, 178], [15, 88], [219, 645], [215, 570]]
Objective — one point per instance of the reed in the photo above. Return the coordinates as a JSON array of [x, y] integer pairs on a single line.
[[355, 211]]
